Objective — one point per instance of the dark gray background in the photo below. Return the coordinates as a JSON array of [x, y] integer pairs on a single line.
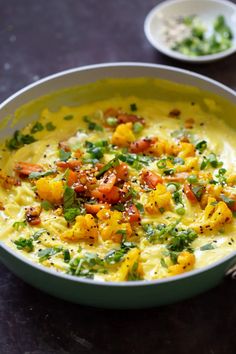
[[41, 37]]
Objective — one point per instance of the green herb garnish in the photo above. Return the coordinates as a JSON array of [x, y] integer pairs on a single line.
[[37, 127], [64, 155], [25, 244], [36, 175], [50, 126], [68, 117], [18, 140], [46, 253]]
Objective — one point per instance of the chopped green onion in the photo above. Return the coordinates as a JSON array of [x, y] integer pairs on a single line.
[[137, 127], [112, 121], [133, 107]]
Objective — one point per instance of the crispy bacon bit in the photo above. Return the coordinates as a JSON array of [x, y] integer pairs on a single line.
[[64, 146], [174, 113], [189, 193], [95, 208], [151, 179], [86, 181], [32, 215], [72, 178], [142, 145], [1, 206], [133, 214], [122, 172], [189, 123], [111, 197], [126, 118], [111, 112], [8, 181], [107, 183], [24, 169], [72, 164]]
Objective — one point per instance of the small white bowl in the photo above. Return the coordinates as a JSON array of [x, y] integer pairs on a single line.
[[206, 10]]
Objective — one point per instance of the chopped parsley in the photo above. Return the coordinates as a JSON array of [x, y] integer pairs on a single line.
[[201, 146], [19, 224], [66, 255], [36, 175], [38, 233], [46, 253], [86, 265], [68, 117], [25, 244], [37, 127], [64, 155], [50, 126], [92, 125], [71, 213], [46, 205], [207, 247], [176, 238], [18, 140], [133, 107]]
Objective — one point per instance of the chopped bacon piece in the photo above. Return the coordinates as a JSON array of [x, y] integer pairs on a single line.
[[72, 164], [72, 178], [95, 208], [79, 188], [133, 214], [125, 118], [1, 206], [111, 112], [8, 181], [122, 172], [32, 215], [25, 168], [107, 183], [141, 145], [189, 193], [174, 113], [151, 179], [111, 197]]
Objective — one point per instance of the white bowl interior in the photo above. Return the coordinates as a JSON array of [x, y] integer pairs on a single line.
[[206, 10]]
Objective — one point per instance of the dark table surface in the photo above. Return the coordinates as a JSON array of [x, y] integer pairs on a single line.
[[38, 38]]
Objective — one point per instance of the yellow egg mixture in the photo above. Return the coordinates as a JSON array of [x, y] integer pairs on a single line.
[[121, 189]]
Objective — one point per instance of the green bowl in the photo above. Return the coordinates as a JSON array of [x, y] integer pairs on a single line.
[[87, 84]]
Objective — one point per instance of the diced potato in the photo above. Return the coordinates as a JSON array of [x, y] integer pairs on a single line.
[[131, 266], [231, 180], [85, 228], [215, 215], [123, 135], [158, 199], [213, 191], [191, 164], [186, 261], [111, 226], [186, 150], [50, 189], [162, 147]]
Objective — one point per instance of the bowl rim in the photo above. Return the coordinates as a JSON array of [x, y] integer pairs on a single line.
[[93, 282], [175, 54]]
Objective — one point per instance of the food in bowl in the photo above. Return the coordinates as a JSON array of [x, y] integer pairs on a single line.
[[190, 36], [121, 189]]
